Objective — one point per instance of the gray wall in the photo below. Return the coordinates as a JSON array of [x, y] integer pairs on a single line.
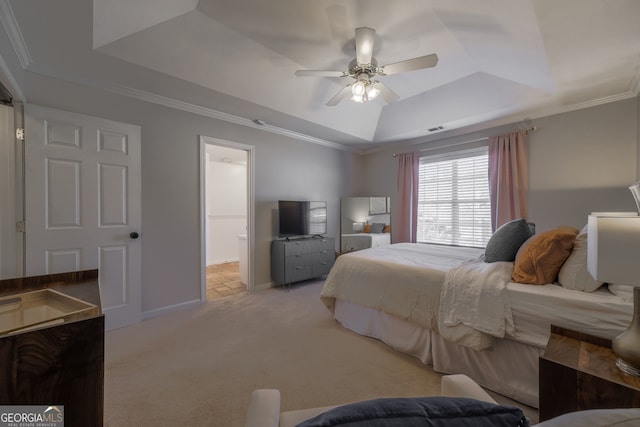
[[284, 169], [582, 162], [579, 162]]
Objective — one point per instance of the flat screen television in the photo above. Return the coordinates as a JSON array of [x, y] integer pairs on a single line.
[[302, 218]]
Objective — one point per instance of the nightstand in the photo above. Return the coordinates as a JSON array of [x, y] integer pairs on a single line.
[[578, 371]]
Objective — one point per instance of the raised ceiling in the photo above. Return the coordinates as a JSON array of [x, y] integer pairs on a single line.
[[498, 59]]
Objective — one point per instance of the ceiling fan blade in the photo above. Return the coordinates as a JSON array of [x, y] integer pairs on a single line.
[[320, 73], [365, 37], [386, 93], [343, 93], [418, 63]]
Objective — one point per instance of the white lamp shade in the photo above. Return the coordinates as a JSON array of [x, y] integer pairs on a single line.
[[613, 244], [358, 88], [635, 190]]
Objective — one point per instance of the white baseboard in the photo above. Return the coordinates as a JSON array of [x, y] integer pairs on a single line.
[[264, 286], [164, 310], [219, 262], [190, 304]]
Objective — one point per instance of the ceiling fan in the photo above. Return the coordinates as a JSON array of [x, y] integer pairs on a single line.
[[365, 67]]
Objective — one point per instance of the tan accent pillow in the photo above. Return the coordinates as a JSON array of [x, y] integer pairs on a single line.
[[387, 229], [367, 228], [540, 258]]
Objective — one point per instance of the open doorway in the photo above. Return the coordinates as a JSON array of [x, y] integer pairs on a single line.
[[226, 212]]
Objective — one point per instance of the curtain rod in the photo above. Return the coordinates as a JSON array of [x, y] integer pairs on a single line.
[[531, 129]]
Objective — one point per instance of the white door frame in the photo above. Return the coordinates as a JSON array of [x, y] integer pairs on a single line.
[[8, 232], [204, 140]]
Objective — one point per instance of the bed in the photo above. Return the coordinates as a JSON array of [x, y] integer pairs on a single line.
[[358, 241], [404, 295]]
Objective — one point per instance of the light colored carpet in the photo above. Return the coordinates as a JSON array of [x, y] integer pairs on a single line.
[[199, 366]]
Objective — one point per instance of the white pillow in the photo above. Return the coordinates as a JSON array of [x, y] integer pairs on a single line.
[[574, 274]]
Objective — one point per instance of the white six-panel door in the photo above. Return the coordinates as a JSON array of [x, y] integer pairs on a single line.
[[82, 204]]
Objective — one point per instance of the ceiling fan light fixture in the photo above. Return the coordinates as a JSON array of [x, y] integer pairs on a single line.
[[359, 88], [364, 67], [363, 90], [372, 92]]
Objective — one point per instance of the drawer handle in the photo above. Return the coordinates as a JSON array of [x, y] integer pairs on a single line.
[[298, 267], [323, 252], [323, 263]]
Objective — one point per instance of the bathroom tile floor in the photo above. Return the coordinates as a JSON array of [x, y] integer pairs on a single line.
[[223, 280]]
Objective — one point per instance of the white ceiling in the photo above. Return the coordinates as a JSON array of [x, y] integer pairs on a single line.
[[498, 59]]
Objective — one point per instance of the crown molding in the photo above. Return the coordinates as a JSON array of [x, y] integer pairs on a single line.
[[593, 103], [11, 83], [515, 119], [169, 102], [10, 25], [215, 114], [211, 113]]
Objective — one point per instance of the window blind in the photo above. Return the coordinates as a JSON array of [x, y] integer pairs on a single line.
[[453, 199]]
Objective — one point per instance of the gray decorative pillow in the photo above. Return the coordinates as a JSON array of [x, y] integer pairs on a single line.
[[532, 227], [434, 411], [507, 239], [377, 227]]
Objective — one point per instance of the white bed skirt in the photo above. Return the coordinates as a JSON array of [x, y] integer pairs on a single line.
[[509, 368], [393, 331]]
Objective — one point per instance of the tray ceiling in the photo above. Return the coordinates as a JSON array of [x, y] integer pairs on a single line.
[[498, 59]]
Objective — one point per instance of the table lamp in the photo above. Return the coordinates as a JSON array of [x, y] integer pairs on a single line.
[[613, 256]]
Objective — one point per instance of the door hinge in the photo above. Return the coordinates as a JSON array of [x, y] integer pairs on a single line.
[[20, 134], [20, 226]]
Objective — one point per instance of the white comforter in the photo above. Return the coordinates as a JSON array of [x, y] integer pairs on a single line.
[[403, 279], [474, 305]]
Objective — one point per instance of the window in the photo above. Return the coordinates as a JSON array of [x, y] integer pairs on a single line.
[[453, 198]]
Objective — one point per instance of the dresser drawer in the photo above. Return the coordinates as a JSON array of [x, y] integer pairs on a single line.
[[302, 259], [298, 248], [296, 273]]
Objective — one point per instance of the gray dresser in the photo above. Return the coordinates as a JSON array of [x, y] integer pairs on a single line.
[[301, 259]]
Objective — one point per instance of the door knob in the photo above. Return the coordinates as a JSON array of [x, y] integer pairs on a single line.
[[134, 235]]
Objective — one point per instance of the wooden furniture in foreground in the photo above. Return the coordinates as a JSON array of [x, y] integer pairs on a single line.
[[578, 371], [60, 363]]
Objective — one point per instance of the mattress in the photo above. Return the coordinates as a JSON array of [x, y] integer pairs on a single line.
[[535, 308], [359, 241]]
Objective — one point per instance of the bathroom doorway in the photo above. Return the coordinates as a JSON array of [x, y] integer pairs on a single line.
[[226, 207]]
